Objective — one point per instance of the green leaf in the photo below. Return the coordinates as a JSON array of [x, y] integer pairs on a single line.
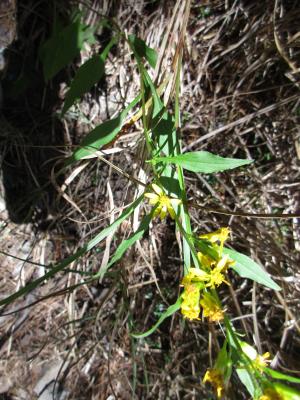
[[101, 135], [169, 311], [224, 362], [246, 379], [86, 77], [247, 268], [92, 243], [281, 376], [64, 45], [142, 50], [137, 235], [287, 392], [203, 161]]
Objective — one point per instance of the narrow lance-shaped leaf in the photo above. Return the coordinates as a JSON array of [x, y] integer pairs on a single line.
[[246, 379], [286, 392], [64, 45], [202, 161], [247, 268], [87, 76], [169, 311], [224, 362], [137, 235], [101, 135], [92, 243], [281, 376], [142, 50]]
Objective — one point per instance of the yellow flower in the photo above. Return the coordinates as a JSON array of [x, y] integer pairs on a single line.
[[211, 308], [163, 202], [220, 235], [260, 362], [215, 378], [216, 276], [271, 394], [190, 306]]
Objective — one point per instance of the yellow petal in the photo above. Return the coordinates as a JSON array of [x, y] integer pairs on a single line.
[[153, 201], [220, 235], [151, 196], [157, 189], [171, 212], [163, 212]]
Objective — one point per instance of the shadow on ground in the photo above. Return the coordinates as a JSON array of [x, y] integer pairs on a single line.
[[31, 136]]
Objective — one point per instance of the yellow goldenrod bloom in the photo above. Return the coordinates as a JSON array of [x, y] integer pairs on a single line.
[[215, 378], [271, 394], [190, 306], [163, 202], [221, 235], [216, 276], [211, 308], [261, 361]]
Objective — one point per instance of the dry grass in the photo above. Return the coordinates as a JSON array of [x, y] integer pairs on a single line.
[[240, 86]]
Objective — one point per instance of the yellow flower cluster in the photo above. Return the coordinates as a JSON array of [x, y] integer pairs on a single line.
[[190, 306], [164, 204], [211, 308], [193, 282], [215, 378], [211, 276]]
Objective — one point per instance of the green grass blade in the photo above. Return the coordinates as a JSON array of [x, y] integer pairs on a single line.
[[169, 311]]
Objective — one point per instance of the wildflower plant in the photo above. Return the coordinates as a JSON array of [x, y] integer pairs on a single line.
[[206, 260]]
